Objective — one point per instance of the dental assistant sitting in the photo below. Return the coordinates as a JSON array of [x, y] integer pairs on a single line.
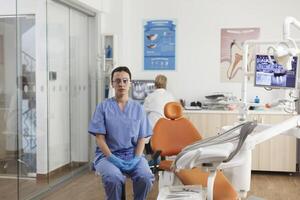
[[120, 126]]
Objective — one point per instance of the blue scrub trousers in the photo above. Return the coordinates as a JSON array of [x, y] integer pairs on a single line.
[[113, 179]]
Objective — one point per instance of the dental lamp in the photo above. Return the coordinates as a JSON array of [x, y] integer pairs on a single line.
[[284, 51], [283, 55]]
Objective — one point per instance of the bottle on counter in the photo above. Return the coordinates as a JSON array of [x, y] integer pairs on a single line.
[[256, 99]]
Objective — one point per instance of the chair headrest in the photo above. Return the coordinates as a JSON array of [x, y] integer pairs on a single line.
[[173, 110]]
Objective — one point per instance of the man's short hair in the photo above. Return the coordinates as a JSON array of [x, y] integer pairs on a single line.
[[121, 69], [161, 81]]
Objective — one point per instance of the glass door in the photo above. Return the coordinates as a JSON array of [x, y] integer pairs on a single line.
[[68, 90], [17, 102], [58, 51], [8, 106], [27, 156], [27, 141], [79, 84]]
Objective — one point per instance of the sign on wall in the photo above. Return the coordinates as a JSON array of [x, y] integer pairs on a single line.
[[159, 45]]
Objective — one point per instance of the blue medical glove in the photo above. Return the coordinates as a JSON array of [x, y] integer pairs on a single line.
[[131, 164], [118, 162]]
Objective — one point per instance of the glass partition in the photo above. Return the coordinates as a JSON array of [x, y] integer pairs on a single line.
[[27, 134], [17, 101], [27, 58], [8, 103], [45, 95]]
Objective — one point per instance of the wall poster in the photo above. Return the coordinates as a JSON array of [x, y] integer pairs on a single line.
[[159, 45], [232, 53]]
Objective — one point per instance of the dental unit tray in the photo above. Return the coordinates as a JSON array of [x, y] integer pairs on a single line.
[[219, 101], [215, 96], [182, 192]]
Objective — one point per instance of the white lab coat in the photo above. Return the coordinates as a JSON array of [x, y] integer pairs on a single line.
[[154, 104]]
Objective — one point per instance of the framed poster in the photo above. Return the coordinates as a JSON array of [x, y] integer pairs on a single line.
[[159, 45], [232, 52]]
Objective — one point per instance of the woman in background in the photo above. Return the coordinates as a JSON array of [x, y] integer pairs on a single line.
[[155, 102]]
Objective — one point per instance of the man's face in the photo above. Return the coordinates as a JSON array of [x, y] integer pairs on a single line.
[[121, 83]]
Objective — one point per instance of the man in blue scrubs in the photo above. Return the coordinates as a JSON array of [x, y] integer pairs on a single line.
[[120, 126]]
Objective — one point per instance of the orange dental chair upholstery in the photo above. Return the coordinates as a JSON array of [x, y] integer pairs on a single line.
[[170, 136]]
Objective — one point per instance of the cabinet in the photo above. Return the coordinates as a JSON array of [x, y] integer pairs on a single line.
[[276, 154], [109, 51], [210, 123]]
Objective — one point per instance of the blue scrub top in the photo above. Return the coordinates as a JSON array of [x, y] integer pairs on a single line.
[[122, 129]]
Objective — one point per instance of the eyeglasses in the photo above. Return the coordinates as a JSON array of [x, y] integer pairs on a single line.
[[125, 81]]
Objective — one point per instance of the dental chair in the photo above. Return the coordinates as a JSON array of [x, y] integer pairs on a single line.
[[227, 151], [170, 136]]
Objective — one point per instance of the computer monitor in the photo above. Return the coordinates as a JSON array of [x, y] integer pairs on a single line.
[[141, 88], [273, 75]]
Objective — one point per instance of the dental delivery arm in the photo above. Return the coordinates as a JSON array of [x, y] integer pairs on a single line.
[[277, 129]]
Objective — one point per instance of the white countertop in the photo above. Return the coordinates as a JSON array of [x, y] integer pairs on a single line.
[[256, 112]]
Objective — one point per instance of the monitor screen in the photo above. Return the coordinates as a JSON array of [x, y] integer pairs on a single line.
[[274, 75], [141, 88]]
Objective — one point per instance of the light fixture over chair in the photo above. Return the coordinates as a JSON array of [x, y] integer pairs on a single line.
[[285, 51]]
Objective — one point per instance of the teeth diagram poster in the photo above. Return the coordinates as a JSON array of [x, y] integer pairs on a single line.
[[159, 44], [232, 52]]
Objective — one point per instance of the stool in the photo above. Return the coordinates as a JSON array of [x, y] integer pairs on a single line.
[[123, 196]]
